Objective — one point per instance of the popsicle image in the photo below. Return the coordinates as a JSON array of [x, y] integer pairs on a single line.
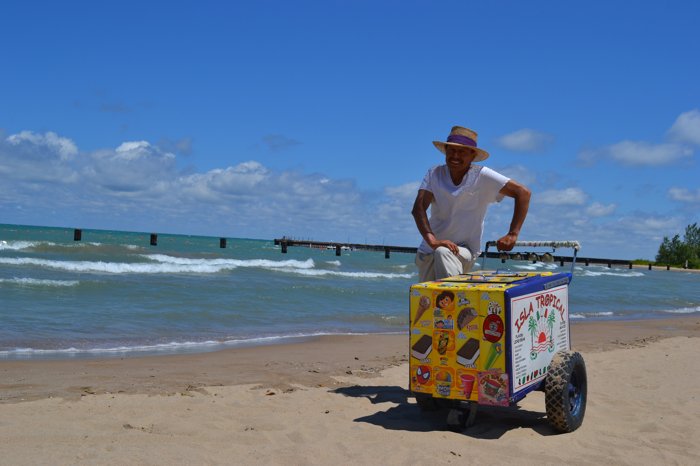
[[494, 353]]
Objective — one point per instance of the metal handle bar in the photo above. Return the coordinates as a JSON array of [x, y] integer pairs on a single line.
[[575, 245], [553, 244]]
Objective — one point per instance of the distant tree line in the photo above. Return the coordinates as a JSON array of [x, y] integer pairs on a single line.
[[676, 252]]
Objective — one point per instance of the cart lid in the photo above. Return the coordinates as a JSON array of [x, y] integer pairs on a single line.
[[495, 277]]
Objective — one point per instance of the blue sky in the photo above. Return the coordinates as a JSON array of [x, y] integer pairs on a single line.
[[315, 119]]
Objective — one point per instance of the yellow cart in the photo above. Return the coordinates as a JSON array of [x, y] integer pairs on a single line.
[[491, 337]]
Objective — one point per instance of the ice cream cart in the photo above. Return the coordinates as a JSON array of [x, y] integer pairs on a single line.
[[492, 337]]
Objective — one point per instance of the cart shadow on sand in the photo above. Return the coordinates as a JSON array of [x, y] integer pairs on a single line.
[[491, 422]]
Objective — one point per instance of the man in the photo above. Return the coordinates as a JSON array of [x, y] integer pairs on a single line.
[[458, 194]]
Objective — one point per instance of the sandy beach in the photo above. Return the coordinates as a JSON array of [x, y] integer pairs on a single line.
[[342, 400]]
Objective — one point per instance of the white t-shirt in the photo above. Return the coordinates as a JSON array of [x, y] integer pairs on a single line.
[[457, 212]]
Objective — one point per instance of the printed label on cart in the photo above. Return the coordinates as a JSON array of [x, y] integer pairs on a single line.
[[493, 388], [539, 328]]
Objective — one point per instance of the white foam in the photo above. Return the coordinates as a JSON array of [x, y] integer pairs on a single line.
[[531, 267], [38, 282], [593, 273], [231, 263], [16, 245], [592, 314], [683, 310], [321, 273], [335, 263], [165, 347], [162, 264]]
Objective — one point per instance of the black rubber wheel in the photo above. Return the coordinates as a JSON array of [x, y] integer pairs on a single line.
[[456, 420], [426, 402], [565, 391], [461, 416]]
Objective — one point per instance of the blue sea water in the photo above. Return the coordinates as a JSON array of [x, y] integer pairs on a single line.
[[112, 293]]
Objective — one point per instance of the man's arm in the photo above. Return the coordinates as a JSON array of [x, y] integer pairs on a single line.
[[420, 215], [522, 203]]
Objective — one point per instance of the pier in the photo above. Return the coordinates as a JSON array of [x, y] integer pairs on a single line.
[[285, 243], [339, 247]]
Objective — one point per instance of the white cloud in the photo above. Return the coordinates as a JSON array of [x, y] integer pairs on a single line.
[[520, 174], [684, 133], [644, 153], [64, 147], [134, 150], [684, 195], [38, 158], [526, 140], [133, 166], [600, 210], [137, 186], [568, 196], [406, 192], [686, 128], [650, 225]]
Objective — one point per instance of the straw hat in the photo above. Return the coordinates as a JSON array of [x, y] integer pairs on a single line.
[[462, 137]]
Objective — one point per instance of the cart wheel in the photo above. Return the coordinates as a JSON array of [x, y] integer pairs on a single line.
[[460, 418], [426, 402], [565, 391], [456, 420]]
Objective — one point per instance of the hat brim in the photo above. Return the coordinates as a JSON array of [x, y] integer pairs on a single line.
[[480, 153]]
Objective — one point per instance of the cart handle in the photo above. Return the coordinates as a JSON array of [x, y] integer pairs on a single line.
[[536, 244], [575, 245]]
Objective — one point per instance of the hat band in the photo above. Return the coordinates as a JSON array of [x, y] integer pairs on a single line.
[[459, 139]]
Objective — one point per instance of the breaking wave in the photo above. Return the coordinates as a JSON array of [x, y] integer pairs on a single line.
[[158, 263], [38, 282]]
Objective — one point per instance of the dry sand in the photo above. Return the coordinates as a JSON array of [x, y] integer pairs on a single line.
[[342, 400]]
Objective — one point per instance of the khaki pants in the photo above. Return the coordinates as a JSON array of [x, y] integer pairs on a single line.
[[443, 263]]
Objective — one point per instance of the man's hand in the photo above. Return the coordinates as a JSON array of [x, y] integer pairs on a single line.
[[447, 244], [507, 242]]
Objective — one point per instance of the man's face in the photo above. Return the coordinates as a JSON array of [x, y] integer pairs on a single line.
[[458, 158]]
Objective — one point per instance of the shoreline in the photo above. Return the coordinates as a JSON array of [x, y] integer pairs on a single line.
[[662, 268], [193, 349], [308, 362], [344, 400]]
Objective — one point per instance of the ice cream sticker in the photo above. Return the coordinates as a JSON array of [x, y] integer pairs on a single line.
[[493, 388], [493, 328]]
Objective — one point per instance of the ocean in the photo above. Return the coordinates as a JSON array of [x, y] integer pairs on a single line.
[[114, 294]]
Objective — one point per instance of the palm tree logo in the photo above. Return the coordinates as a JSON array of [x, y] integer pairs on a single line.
[[532, 328], [541, 332], [550, 323]]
